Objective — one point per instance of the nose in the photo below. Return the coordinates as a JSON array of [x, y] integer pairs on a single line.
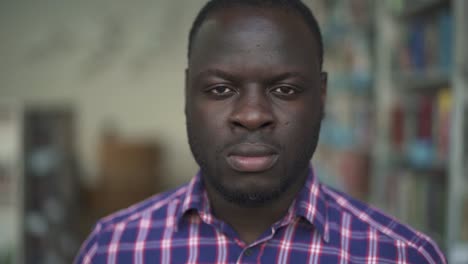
[[252, 111]]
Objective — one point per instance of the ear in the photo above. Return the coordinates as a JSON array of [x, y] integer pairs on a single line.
[[186, 79], [323, 91], [186, 87], [323, 86]]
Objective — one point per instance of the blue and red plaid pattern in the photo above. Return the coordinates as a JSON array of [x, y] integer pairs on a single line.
[[321, 226]]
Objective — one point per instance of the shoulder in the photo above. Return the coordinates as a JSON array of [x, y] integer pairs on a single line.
[[381, 227], [154, 206], [126, 225]]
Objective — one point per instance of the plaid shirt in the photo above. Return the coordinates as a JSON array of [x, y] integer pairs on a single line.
[[321, 226]]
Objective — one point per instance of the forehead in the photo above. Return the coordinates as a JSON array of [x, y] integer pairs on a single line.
[[248, 33]]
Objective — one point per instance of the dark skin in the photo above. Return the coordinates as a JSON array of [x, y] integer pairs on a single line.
[[254, 87]]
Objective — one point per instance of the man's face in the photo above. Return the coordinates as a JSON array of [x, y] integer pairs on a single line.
[[254, 102]]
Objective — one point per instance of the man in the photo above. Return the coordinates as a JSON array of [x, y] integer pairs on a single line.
[[255, 95]]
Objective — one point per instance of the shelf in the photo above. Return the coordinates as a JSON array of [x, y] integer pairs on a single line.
[[421, 44], [422, 8], [437, 169], [428, 80]]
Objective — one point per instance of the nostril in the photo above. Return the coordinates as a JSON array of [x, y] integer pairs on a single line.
[[266, 124], [251, 124], [252, 115], [237, 124]]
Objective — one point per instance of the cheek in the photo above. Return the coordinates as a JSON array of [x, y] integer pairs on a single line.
[[303, 114], [210, 120], [310, 115], [300, 126]]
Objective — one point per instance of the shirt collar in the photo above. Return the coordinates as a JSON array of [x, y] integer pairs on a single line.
[[195, 199], [310, 203]]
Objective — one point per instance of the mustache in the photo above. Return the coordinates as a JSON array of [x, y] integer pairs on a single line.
[[251, 138]]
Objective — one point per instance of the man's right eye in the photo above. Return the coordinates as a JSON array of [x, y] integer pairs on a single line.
[[220, 90]]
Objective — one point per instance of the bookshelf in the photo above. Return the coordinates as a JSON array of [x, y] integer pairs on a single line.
[[50, 189], [343, 156], [420, 157]]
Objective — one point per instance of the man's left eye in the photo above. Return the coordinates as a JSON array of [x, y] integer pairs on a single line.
[[284, 90], [221, 90]]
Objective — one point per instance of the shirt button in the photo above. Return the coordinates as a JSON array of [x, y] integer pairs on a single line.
[[248, 252]]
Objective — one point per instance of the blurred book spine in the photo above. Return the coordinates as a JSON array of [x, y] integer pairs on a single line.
[[420, 128], [426, 45], [342, 157], [419, 201]]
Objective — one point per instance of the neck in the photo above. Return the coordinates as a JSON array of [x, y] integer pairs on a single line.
[[251, 222]]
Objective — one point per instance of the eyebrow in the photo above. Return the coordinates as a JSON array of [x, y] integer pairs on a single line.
[[215, 72], [228, 76], [285, 76]]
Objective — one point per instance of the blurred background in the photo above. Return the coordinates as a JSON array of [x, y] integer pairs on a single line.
[[91, 114]]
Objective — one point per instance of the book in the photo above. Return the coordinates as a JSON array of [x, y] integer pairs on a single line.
[[426, 46]]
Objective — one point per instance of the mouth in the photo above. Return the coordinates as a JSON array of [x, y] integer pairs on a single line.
[[250, 157]]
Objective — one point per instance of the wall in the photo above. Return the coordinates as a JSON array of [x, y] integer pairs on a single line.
[[114, 62]]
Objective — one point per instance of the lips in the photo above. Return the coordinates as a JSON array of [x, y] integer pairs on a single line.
[[250, 157]]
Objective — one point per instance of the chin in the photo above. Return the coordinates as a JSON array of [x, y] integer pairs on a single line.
[[250, 189]]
